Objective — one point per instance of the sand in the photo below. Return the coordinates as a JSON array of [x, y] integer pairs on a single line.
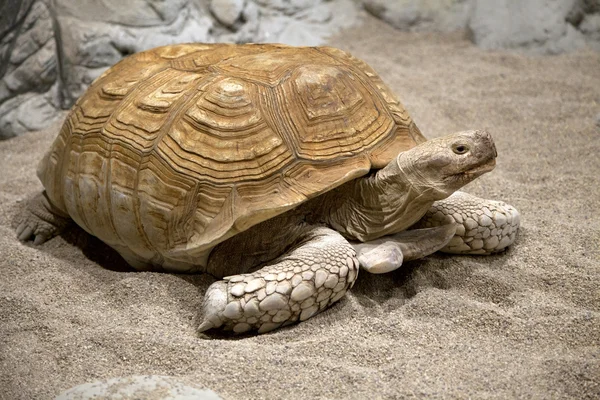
[[522, 324]]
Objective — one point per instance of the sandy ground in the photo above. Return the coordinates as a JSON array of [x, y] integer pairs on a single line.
[[523, 324]]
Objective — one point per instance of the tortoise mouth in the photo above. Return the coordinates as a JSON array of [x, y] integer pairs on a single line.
[[480, 169], [474, 172]]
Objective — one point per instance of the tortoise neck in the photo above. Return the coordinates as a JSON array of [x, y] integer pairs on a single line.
[[380, 204]]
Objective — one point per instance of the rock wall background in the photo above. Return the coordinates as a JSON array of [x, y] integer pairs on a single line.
[[51, 50], [541, 26]]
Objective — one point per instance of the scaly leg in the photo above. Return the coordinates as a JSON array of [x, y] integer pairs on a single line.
[[389, 252], [41, 221], [482, 226], [294, 287]]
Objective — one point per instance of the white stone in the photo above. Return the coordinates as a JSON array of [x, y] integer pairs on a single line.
[[227, 11]]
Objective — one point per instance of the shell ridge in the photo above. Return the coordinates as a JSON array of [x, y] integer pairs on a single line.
[[139, 87]]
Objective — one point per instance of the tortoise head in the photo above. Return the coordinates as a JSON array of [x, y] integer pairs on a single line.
[[443, 165]]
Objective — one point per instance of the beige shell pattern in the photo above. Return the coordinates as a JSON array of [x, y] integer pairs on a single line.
[[174, 150]]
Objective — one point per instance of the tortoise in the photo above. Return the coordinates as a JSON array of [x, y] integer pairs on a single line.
[[280, 170]]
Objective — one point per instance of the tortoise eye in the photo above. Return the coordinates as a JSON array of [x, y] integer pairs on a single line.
[[460, 148]]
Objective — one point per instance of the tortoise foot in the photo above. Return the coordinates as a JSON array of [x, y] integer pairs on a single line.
[[41, 221], [301, 284], [482, 226]]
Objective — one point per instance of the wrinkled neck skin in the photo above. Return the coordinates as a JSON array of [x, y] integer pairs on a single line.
[[387, 202]]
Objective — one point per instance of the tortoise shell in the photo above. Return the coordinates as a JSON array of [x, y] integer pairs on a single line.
[[175, 149]]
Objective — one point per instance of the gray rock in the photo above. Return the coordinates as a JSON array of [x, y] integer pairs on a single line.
[[227, 11], [146, 387], [535, 24], [422, 15], [543, 26]]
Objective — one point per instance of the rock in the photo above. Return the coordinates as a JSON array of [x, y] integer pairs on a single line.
[[227, 12], [540, 25], [590, 27], [543, 26], [422, 15], [12, 17], [139, 387], [27, 112]]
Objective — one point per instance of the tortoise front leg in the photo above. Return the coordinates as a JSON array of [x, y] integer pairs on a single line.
[[387, 253], [41, 220], [482, 226], [294, 287]]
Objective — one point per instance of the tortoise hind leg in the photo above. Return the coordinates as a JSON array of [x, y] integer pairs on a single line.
[[41, 220], [482, 226], [294, 287]]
